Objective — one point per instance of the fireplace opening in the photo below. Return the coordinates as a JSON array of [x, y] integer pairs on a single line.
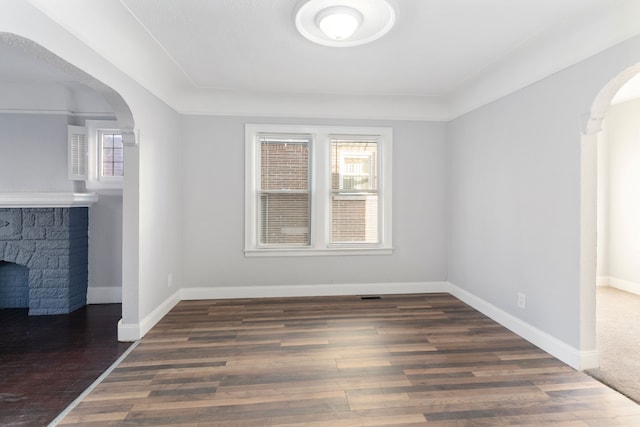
[[14, 285]]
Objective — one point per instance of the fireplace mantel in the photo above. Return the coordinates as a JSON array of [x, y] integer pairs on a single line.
[[47, 200]]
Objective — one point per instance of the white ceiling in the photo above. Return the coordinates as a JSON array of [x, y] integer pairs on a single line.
[[435, 46], [237, 56]]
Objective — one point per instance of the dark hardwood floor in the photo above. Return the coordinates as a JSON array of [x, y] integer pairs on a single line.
[[48, 361], [343, 361]]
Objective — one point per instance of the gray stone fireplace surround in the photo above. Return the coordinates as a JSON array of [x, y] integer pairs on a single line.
[[48, 249]]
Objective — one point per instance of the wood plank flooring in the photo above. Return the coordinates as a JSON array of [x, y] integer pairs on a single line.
[[48, 361], [407, 360]]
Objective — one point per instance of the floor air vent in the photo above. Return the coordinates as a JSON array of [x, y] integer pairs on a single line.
[[370, 297]]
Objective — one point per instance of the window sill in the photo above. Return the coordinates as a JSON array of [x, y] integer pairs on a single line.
[[316, 252]]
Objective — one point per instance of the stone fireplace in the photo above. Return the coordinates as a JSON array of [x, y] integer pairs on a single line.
[[44, 254]]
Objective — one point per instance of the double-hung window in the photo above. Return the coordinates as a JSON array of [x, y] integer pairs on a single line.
[[317, 190]]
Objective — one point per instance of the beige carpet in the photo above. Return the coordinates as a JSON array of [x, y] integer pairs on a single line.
[[618, 334]]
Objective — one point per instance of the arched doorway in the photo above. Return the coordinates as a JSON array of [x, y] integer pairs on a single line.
[[592, 126], [40, 95]]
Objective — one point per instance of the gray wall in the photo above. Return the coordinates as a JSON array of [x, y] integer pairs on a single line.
[[34, 153], [213, 211], [515, 209], [105, 248], [515, 194]]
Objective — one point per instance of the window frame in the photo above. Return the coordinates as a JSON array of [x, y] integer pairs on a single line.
[[95, 179], [320, 189], [341, 193], [100, 133]]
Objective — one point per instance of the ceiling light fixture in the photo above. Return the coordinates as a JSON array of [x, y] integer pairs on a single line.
[[344, 23], [339, 22]]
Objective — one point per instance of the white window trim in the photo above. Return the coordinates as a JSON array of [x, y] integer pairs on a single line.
[[320, 191]]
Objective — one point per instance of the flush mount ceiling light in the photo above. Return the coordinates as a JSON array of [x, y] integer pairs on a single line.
[[338, 22], [344, 23]]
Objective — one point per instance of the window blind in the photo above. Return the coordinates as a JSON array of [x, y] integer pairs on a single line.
[[284, 202]]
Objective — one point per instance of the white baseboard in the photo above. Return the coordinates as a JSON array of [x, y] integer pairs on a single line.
[[560, 350], [104, 294], [589, 359], [313, 290], [128, 332], [602, 281], [624, 285]]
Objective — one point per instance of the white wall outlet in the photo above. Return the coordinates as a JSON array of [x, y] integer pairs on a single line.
[[522, 300], [169, 280]]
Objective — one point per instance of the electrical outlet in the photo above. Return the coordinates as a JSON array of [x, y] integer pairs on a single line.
[[522, 300], [169, 280]]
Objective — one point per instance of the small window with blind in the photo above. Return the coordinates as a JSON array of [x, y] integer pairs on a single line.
[[317, 190]]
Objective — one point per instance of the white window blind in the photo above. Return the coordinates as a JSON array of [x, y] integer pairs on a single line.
[[77, 146], [284, 202], [354, 191]]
